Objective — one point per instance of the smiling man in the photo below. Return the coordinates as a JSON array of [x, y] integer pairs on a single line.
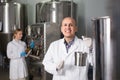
[[60, 57]]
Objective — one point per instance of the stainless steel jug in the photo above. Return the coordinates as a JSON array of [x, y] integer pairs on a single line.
[[80, 58]]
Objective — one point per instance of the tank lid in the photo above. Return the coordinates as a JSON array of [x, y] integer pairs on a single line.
[[103, 17]]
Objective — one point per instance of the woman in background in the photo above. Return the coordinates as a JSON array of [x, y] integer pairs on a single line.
[[16, 53]]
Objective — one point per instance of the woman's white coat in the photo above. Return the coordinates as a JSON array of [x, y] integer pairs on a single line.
[[18, 67]]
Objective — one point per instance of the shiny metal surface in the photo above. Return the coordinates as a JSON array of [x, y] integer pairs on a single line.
[[3, 0], [104, 55], [55, 11], [80, 58], [11, 17], [42, 34]]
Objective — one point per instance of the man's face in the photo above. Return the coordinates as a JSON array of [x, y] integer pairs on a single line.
[[68, 28]]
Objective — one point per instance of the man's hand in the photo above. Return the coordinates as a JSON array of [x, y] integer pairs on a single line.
[[60, 66], [87, 41]]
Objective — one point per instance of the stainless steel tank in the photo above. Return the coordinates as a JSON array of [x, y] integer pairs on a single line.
[[55, 11], [41, 34], [104, 49], [11, 17], [5, 0]]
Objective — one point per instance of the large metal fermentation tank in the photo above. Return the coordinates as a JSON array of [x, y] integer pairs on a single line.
[[55, 11], [41, 34], [104, 49], [11, 17]]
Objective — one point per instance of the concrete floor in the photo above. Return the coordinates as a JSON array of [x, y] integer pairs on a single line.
[[4, 74], [35, 71]]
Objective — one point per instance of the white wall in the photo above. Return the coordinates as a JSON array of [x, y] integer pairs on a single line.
[[88, 9], [93, 9]]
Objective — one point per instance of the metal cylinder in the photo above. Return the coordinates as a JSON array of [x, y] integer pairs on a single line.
[[11, 17], [104, 51], [80, 58], [3, 0], [55, 11]]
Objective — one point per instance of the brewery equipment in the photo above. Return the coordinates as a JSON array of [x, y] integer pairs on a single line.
[[54, 11], [11, 17], [47, 29], [5, 0], [104, 49], [42, 34]]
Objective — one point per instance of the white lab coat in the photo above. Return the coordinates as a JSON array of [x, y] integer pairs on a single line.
[[57, 52], [18, 67]]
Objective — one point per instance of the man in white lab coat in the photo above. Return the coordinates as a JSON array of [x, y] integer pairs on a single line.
[[60, 57]]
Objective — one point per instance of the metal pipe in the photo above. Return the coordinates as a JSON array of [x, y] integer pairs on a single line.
[[104, 49], [72, 8], [5, 18]]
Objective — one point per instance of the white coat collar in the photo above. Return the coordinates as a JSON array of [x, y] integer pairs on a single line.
[[73, 46], [17, 43], [16, 40]]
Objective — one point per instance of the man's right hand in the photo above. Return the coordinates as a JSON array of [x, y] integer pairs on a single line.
[[60, 66]]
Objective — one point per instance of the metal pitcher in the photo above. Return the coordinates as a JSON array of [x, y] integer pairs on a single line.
[[80, 58]]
